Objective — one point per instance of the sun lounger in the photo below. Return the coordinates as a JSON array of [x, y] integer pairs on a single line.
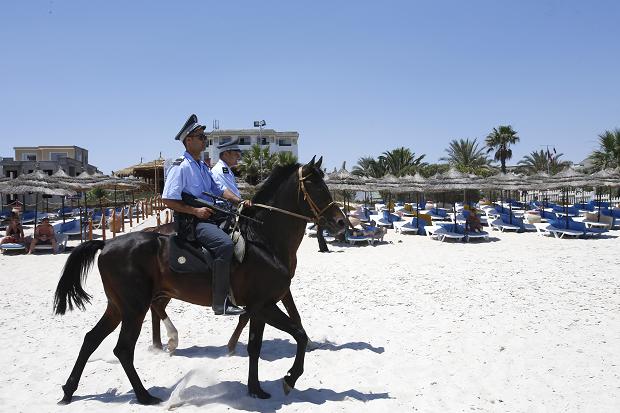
[[406, 227], [11, 247], [501, 226], [482, 235], [354, 239], [61, 240], [442, 233]]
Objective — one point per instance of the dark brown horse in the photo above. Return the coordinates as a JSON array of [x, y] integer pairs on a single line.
[[158, 311], [134, 271]]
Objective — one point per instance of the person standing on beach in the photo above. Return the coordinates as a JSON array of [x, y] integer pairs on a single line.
[[191, 175], [230, 154]]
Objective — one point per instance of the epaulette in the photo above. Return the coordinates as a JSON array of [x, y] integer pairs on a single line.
[[177, 161]]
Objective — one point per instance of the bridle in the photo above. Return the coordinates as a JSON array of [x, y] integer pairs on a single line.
[[318, 212]]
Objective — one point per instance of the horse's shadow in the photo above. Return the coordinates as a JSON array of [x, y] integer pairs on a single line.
[[234, 395], [274, 349]]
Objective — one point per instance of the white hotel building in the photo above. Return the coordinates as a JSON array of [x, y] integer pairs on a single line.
[[276, 141]]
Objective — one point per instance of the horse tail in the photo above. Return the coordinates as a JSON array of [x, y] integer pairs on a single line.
[[69, 291]]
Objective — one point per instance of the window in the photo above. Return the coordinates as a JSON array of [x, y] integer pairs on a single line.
[[48, 171], [285, 142], [78, 155], [55, 156], [225, 139], [263, 141], [29, 156], [245, 140]]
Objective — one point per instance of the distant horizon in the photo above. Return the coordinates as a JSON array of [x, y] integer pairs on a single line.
[[354, 79]]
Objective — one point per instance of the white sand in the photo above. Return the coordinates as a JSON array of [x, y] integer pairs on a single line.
[[522, 323]]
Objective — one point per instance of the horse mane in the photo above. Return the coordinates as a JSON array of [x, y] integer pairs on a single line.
[[279, 174]]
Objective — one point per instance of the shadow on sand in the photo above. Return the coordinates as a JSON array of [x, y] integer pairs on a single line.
[[234, 395], [274, 349]]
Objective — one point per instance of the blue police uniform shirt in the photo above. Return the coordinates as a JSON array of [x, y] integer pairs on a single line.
[[224, 176], [192, 177]]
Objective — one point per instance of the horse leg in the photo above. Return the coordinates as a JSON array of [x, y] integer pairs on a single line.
[[255, 343], [158, 312], [124, 351], [108, 322], [234, 338], [291, 309], [273, 316]]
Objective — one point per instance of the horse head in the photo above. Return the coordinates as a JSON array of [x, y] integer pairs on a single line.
[[318, 200]]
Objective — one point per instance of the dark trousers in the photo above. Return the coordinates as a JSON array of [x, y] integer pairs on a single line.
[[219, 244]]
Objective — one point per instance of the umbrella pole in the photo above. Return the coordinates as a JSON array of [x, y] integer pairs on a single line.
[[62, 210], [510, 205], [36, 208], [80, 209], [417, 212], [598, 195], [565, 202]]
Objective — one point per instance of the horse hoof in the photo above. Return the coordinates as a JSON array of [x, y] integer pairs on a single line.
[[286, 387], [149, 400], [259, 394], [65, 400]]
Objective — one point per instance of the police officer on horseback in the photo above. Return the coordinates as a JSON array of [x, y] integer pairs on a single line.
[[191, 175]]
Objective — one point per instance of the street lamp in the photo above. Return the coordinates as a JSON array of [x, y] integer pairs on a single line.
[[259, 124]]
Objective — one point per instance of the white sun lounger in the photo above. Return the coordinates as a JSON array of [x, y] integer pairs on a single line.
[[564, 232], [501, 226], [440, 233], [483, 235], [405, 227], [12, 247]]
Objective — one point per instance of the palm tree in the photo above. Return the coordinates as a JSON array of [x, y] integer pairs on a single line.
[[499, 140], [608, 154], [284, 158], [541, 161], [401, 161], [465, 156], [369, 166], [256, 164]]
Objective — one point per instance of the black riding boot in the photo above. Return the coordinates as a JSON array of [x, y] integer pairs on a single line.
[[221, 285]]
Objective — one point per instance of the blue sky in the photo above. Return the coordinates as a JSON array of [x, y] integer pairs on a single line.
[[355, 78]]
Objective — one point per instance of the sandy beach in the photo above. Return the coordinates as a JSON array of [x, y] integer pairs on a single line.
[[521, 323]]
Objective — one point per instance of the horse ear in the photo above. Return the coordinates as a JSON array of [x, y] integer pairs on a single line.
[[311, 163], [318, 163]]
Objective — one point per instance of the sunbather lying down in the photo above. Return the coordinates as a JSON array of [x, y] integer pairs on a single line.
[[367, 230]]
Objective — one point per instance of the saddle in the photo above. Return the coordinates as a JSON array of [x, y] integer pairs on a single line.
[[187, 256]]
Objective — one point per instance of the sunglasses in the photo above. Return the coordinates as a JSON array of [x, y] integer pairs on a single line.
[[202, 137]]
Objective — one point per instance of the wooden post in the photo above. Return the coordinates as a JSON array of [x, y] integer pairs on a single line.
[[114, 223], [158, 218], [123, 219], [137, 212], [90, 228], [144, 212], [130, 216], [167, 217], [103, 224]]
